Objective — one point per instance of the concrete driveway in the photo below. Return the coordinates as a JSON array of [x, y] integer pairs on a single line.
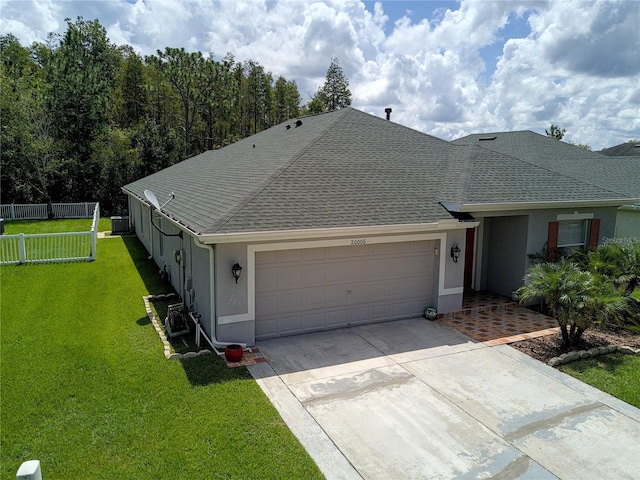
[[417, 399]]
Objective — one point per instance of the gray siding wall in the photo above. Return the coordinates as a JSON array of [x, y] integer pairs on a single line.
[[189, 277], [454, 272], [231, 298], [507, 240], [539, 224]]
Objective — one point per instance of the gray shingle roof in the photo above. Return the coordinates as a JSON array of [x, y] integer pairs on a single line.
[[348, 168], [618, 175], [623, 150]]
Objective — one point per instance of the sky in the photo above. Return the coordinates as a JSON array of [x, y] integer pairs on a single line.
[[446, 68]]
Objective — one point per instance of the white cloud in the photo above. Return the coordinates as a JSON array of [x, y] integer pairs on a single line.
[[576, 65]]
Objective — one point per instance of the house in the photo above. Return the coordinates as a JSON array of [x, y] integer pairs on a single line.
[[628, 221], [344, 218]]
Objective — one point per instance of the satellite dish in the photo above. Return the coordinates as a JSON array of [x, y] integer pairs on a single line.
[[152, 199]]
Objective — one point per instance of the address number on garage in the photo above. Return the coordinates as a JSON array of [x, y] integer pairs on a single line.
[[359, 241]]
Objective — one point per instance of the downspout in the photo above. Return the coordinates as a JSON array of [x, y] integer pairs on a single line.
[[213, 341]]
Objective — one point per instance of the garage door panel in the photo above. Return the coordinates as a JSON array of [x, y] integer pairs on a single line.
[[315, 298], [267, 304], [338, 318], [403, 247], [382, 249], [290, 277], [410, 287], [285, 256], [381, 291], [337, 295], [267, 327], [314, 254], [266, 280], [338, 252], [267, 258], [290, 325], [361, 251], [338, 274], [315, 321], [315, 275], [290, 301], [321, 288], [410, 309], [382, 312], [360, 315]]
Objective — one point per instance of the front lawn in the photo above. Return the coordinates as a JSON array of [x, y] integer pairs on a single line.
[[87, 390], [616, 374]]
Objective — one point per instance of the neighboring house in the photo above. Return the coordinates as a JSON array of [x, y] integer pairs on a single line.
[[628, 222], [344, 218]]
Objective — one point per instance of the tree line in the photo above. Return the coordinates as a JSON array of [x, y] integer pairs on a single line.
[[81, 116]]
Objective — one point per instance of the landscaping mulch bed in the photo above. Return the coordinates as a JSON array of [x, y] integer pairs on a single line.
[[549, 346]]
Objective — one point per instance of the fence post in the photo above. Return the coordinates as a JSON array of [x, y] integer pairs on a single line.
[[13, 212], [86, 210], [23, 251]]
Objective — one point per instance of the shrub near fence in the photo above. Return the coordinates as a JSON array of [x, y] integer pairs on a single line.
[[51, 247], [38, 211]]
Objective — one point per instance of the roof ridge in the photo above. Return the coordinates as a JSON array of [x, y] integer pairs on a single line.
[[273, 177]]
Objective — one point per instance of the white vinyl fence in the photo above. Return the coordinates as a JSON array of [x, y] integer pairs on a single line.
[[16, 211], [51, 247]]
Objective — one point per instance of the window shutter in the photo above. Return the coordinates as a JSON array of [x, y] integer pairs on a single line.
[[552, 241], [594, 233]]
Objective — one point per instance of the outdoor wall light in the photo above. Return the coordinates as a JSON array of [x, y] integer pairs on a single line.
[[236, 270], [455, 253]]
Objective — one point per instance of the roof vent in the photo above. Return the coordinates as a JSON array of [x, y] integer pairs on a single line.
[[288, 127], [298, 123], [486, 139], [388, 111]]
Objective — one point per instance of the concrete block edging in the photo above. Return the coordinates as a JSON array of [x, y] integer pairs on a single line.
[[591, 353], [161, 333]]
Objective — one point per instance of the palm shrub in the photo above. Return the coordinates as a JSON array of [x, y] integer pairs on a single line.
[[619, 264], [576, 298]]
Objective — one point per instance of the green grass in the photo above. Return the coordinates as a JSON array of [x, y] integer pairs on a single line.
[[616, 374], [54, 226], [87, 390]]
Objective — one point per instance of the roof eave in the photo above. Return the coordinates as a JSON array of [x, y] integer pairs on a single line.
[[335, 232], [507, 206]]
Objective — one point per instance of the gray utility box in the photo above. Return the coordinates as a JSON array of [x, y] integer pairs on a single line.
[[119, 225]]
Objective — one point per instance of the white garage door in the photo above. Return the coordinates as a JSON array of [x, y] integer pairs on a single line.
[[306, 290]]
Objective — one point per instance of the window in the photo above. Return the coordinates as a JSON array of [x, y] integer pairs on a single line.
[[572, 234]]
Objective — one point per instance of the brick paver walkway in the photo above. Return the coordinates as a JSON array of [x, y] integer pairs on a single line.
[[498, 327]]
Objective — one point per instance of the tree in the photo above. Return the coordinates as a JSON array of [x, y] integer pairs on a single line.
[[193, 78], [555, 132], [131, 92], [583, 146], [335, 92], [81, 75], [287, 99]]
